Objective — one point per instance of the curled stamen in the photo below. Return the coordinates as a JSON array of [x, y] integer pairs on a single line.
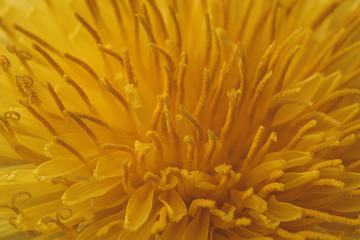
[[19, 197], [4, 63], [64, 213], [12, 115], [24, 80]]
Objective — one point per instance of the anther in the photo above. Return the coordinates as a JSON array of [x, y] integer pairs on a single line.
[[190, 153], [208, 38], [330, 218], [79, 90], [326, 164], [259, 89], [217, 56], [170, 127], [93, 119], [285, 66], [270, 188], [89, 28], [210, 148], [316, 115], [168, 81], [335, 95], [326, 182], [147, 28]]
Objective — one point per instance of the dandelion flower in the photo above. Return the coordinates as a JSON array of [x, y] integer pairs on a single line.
[[181, 120]]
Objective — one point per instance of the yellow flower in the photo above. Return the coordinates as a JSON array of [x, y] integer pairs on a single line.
[[181, 120]]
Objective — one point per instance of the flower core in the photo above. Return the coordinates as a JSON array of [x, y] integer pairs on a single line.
[[180, 120]]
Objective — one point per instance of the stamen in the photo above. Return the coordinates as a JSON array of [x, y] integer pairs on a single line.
[[115, 93], [93, 119], [118, 147], [317, 235], [116, 8], [262, 68], [210, 148], [258, 92], [170, 127], [208, 38], [217, 56], [128, 68], [50, 60], [324, 13], [129, 189], [335, 95], [82, 64], [112, 53], [270, 188], [94, 10], [285, 67], [36, 39], [155, 138], [190, 152], [4, 63], [168, 80], [330, 218], [147, 28], [159, 18], [40, 118], [146, 15], [351, 76], [288, 235], [242, 80], [194, 122], [177, 28], [20, 196], [276, 54], [56, 98], [157, 113], [323, 146], [24, 84], [233, 98], [166, 55], [79, 90], [253, 148], [322, 55], [219, 87], [265, 148], [349, 131], [276, 106], [89, 28], [326, 182], [85, 127], [339, 55], [299, 135], [180, 79], [326, 164], [204, 93], [315, 116], [353, 166], [74, 152], [244, 20]]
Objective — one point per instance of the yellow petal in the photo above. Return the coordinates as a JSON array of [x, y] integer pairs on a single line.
[[60, 167], [174, 231], [174, 205], [139, 207], [282, 211], [110, 165], [198, 228], [85, 190]]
